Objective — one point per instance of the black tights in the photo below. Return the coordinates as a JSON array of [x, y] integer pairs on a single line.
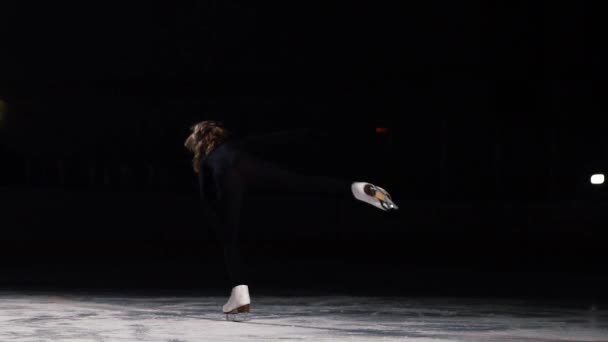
[[254, 174]]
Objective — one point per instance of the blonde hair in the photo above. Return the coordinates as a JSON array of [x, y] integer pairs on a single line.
[[206, 136]]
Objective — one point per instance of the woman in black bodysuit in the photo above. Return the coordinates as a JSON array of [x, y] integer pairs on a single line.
[[227, 171]]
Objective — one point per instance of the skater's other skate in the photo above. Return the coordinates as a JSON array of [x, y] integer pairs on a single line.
[[374, 195], [238, 306]]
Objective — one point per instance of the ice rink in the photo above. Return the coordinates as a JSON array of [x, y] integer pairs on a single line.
[[105, 316]]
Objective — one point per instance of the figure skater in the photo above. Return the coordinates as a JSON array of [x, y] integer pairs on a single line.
[[227, 171]]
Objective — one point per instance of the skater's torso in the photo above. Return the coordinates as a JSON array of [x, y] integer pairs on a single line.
[[215, 165], [222, 157]]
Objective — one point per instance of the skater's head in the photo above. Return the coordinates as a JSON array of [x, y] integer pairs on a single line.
[[205, 136]]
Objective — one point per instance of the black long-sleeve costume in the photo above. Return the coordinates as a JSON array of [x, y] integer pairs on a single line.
[[228, 172]]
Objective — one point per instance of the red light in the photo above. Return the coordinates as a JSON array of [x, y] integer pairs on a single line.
[[381, 130]]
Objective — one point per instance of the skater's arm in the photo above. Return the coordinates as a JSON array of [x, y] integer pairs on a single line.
[[201, 183], [209, 215]]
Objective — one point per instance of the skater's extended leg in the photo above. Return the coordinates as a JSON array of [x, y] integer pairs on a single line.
[[265, 175]]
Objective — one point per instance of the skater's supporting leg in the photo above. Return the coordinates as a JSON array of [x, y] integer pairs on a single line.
[[229, 207], [230, 204]]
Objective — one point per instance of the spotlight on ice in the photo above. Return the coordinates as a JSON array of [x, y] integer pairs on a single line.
[[597, 179]]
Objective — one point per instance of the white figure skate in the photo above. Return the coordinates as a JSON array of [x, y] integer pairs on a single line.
[[373, 195], [238, 305]]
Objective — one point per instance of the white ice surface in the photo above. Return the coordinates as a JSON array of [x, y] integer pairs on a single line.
[[105, 317]]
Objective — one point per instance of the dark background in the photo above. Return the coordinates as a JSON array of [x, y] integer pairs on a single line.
[[494, 119]]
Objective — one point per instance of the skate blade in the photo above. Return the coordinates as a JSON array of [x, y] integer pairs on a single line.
[[388, 205], [385, 199], [238, 317]]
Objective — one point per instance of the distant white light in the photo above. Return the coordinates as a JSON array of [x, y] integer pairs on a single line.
[[597, 178]]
